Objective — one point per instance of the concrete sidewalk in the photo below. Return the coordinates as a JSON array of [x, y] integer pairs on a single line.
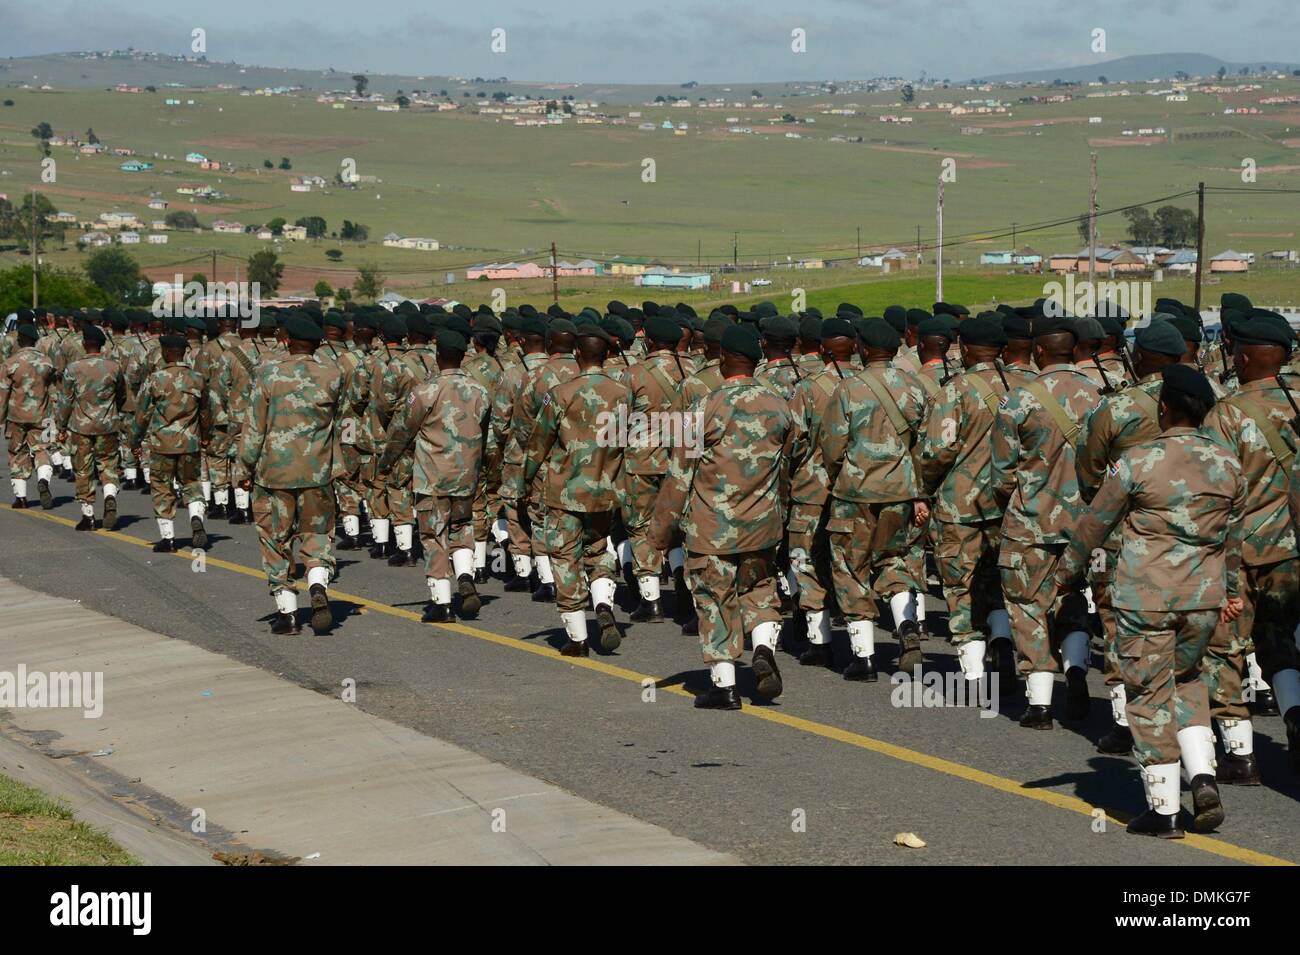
[[275, 767]]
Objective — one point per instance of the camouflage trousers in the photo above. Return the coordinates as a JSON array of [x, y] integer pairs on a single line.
[[374, 490], [967, 558], [1223, 671], [220, 451], [810, 553], [1102, 585], [1267, 625], [401, 499], [28, 449], [93, 453], [166, 469], [733, 594], [285, 516], [537, 524], [639, 493], [445, 526], [1038, 620], [487, 502], [870, 546], [1160, 659], [575, 542]]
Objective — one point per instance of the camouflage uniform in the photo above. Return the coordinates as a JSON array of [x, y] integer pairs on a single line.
[[729, 504], [288, 448], [704, 381], [364, 399], [489, 371], [94, 391], [173, 418], [504, 401], [1178, 503], [442, 428], [347, 487], [403, 372], [129, 350], [572, 450], [26, 411], [222, 446], [1033, 479]]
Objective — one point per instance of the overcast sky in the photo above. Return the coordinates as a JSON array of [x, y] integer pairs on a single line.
[[660, 42]]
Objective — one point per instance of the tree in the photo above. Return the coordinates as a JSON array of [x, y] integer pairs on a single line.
[[1142, 228], [354, 231], [314, 225], [68, 287], [284, 163], [1085, 233], [199, 278], [1177, 226], [323, 290], [9, 102], [402, 102], [91, 137], [42, 131], [369, 282], [181, 219], [333, 254], [266, 269], [343, 294], [1102, 79], [276, 226], [1223, 71], [359, 83], [267, 164], [114, 272], [16, 221], [909, 94]]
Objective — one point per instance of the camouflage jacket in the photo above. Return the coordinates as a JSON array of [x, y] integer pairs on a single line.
[[619, 367], [1115, 374], [1269, 535], [931, 375], [576, 442], [173, 411], [446, 419], [955, 451], [1178, 501], [808, 483], [73, 348], [810, 363], [906, 359], [1033, 475], [129, 351], [1120, 421], [92, 396], [26, 387], [867, 447], [363, 398], [555, 370], [412, 367], [655, 384], [729, 498], [706, 379], [487, 370], [290, 438], [781, 375], [504, 401]]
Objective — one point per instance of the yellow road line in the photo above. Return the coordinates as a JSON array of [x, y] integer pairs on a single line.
[[1002, 784]]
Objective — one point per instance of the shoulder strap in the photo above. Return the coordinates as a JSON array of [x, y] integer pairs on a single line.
[[929, 384], [982, 389], [1058, 414], [242, 357], [669, 389], [886, 400], [1146, 403], [1282, 452], [828, 384]]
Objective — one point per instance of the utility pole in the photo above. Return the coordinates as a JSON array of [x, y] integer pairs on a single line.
[[697, 253], [36, 260], [859, 242], [555, 277], [735, 250], [1092, 227], [1200, 241], [938, 252], [1013, 237], [213, 276], [918, 242]]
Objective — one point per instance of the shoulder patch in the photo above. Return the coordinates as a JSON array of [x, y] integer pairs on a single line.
[[1113, 469], [1004, 400]]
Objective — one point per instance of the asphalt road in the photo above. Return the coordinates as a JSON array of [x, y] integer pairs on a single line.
[[827, 773]]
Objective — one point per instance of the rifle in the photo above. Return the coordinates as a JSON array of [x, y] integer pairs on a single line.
[[946, 373], [1281, 383], [1107, 388], [1122, 347], [1001, 375]]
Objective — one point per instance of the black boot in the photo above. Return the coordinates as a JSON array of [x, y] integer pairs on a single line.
[[285, 623], [238, 516], [683, 605], [85, 524], [144, 486], [47, 499], [817, 655], [345, 541], [1264, 704], [1037, 717], [611, 634], [1292, 720], [766, 673], [470, 602], [382, 551], [691, 626], [647, 611], [19, 503], [1207, 807], [110, 512], [198, 536], [1238, 770], [1077, 700], [1117, 742], [403, 558], [321, 617], [218, 511], [909, 646], [1003, 660], [516, 584], [573, 648], [165, 546], [437, 613], [718, 698], [481, 575], [544, 594], [1152, 823], [629, 577], [861, 670]]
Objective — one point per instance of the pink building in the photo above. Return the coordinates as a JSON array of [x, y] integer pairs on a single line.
[[507, 270]]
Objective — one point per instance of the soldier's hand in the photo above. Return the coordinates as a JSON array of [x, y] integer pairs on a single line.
[[920, 512], [1233, 609], [246, 484]]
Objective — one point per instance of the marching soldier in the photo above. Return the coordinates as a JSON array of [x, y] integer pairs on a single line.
[[488, 368], [94, 392], [727, 500], [26, 411], [1178, 502], [288, 458]]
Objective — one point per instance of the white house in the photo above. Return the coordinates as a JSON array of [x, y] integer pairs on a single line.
[[129, 238], [157, 238]]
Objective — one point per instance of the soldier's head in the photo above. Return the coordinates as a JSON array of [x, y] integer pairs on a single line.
[[302, 335], [1088, 335], [877, 340], [810, 334], [27, 335], [487, 332], [1261, 345], [1054, 341], [838, 340], [1156, 345], [779, 334], [559, 336], [592, 346], [173, 347], [451, 345], [1186, 396], [1111, 318], [934, 337], [981, 339], [227, 320], [740, 351], [621, 334], [335, 326], [419, 330], [717, 323], [92, 338], [661, 332], [1019, 349], [267, 326], [532, 334]]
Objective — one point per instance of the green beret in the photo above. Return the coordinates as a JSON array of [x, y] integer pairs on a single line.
[[715, 326], [419, 325], [92, 335], [766, 309], [1042, 327], [897, 324], [267, 321], [894, 312], [303, 329], [951, 308], [1016, 326], [1187, 380], [616, 308], [730, 309], [663, 330], [196, 323], [984, 329], [837, 328], [741, 340], [336, 320], [848, 308], [448, 339], [511, 321], [1111, 325], [593, 330], [392, 327], [463, 310], [1004, 309], [177, 342], [1264, 330], [457, 323], [620, 328], [915, 316], [584, 318], [561, 326], [28, 330], [649, 309], [810, 328], [1088, 329], [936, 327], [527, 310], [532, 325], [686, 309], [487, 324], [119, 320], [1161, 338], [780, 328], [814, 312], [878, 333], [1187, 326], [1235, 301]]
